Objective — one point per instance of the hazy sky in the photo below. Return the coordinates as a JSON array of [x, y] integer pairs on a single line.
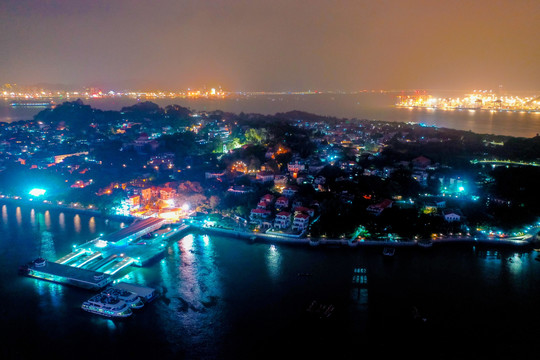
[[273, 44]]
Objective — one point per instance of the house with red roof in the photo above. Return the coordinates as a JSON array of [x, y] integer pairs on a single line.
[[268, 198], [305, 210], [282, 220], [259, 214], [300, 222], [282, 202], [377, 209]]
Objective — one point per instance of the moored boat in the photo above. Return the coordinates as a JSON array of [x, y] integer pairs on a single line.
[[389, 251], [107, 305], [132, 299]]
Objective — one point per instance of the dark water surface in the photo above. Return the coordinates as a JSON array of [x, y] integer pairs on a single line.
[[225, 298], [372, 106]]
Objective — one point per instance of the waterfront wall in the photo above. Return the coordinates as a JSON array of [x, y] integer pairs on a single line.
[[273, 238]]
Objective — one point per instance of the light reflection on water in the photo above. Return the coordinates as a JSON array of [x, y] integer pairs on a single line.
[[18, 215], [273, 262], [33, 218], [47, 220], [50, 294], [62, 221], [191, 282], [92, 225], [77, 223], [4, 216], [225, 291], [515, 264], [48, 250]]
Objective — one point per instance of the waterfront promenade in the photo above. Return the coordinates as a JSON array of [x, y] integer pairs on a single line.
[[520, 241]]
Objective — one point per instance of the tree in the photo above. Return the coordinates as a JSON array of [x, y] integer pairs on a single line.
[[214, 202]]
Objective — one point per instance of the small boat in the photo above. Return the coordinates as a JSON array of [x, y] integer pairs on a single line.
[[305, 274], [389, 251]]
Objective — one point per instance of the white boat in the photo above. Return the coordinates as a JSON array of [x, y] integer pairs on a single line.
[[106, 305], [132, 299]]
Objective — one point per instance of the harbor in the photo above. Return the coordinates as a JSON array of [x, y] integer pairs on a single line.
[[207, 298], [97, 263]]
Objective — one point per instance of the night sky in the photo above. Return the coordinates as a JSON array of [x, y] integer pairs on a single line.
[[272, 45]]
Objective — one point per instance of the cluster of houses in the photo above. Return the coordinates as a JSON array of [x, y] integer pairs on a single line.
[[289, 214]]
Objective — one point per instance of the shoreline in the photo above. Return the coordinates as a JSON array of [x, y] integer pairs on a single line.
[[294, 239], [426, 243]]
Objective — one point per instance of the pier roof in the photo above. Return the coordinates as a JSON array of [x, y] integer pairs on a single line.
[[135, 228], [76, 276]]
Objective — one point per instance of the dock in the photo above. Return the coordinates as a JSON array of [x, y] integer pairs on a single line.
[[92, 265], [146, 294], [69, 275]]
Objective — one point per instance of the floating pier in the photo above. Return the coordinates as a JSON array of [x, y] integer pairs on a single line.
[[146, 294], [92, 265], [65, 274]]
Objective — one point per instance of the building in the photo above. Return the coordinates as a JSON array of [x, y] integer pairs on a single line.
[[452, 215], [259, 214], [282, 202], [282, 220], [295, 167], [265, 176], [262, 205], [167, 193], [268, 198], [300, 222], [290, 191], [377, 209], [305, 210], [146, 194], [421, 162]]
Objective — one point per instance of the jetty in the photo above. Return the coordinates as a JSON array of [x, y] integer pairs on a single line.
[[92, 265], [65, 274]]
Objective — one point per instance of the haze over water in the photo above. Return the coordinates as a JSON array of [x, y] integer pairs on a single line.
[[372, 106]]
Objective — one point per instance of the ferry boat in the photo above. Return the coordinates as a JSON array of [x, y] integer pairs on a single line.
[[107, 305], [130, 298]]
